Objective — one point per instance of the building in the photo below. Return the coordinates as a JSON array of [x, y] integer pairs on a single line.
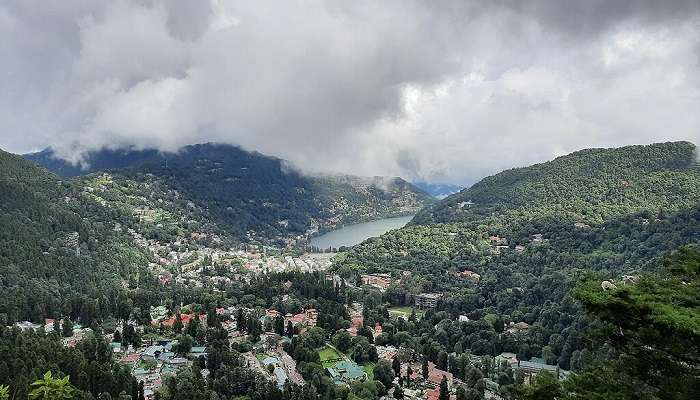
[[346, 371], [469, 274], [427, 300], [498, 241], [381, 281]]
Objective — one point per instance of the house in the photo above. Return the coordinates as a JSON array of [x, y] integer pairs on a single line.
[[311, 316], [536, 365], [469, 274], [152, 352], [378, 330], [185, 318], [280, 377], [519, 327], [27, 326], [48, 324], [509, 358], [498, 241], [130, 359], [581, 225], [197, 351], [381, 281], [427, 300], [346, 371], [434, 374]]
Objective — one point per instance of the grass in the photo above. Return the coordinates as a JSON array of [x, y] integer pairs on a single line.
[[327, 353], [405, 311], [369, 370]]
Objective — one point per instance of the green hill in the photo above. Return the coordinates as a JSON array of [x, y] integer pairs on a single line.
[[250, 195], [588, 186], [59, 251], [511, 248]]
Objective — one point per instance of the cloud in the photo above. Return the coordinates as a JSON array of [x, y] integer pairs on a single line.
[[440, 91]]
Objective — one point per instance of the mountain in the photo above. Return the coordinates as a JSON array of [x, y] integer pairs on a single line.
[[251, 195], [438, 190], [59, 251], [506, 252], [588, 186]]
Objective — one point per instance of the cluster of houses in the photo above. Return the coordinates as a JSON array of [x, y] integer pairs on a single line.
[[307, 318], [151, 364]]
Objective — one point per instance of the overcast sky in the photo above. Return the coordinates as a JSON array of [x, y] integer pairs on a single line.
[[441, 91]]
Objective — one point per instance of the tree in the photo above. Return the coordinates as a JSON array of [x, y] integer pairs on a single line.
[[290, 329], [279, 325], [50, 388], [396, 366], [184, 344], [383, 373], [67, 327], [4, 392], [342, 340], [444, 389], [177, 325], [57, 326], [398, 393], [461, 393], [544, 386], [193, 326], [425, 368], [442, 360], [653, 329]]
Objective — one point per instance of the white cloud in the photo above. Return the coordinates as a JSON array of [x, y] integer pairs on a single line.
[[447, 92]]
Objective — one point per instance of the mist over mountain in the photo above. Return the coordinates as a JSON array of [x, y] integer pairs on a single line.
[[438, 190], [252, 195]]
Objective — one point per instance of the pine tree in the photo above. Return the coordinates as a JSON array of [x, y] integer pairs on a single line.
[[177, 325], [396, 366], [67, 327], [444, 389]]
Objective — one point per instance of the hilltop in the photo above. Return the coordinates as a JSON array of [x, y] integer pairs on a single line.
[[589, 186]]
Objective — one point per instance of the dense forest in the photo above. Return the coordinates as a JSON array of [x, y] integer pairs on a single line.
[[588, 186], [249, 194], [59, 253]]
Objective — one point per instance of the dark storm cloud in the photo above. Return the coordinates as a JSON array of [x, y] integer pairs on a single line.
[[431, 90]]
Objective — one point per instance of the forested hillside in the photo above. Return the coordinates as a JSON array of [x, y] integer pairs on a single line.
[[59, 251], [589, 186], [530, 235], [250, 195]]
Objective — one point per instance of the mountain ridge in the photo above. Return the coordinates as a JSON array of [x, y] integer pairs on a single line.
[[252, 195]]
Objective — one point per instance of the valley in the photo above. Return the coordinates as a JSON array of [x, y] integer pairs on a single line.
[[186, 290]]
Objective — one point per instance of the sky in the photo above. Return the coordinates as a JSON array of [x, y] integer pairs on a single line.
[[446, 91]]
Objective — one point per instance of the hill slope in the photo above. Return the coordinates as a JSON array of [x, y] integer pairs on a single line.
[[588, 186], [59, 252], [510, 249], [251, 195]]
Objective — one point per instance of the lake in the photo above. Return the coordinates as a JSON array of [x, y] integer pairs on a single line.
[[353, 234]]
